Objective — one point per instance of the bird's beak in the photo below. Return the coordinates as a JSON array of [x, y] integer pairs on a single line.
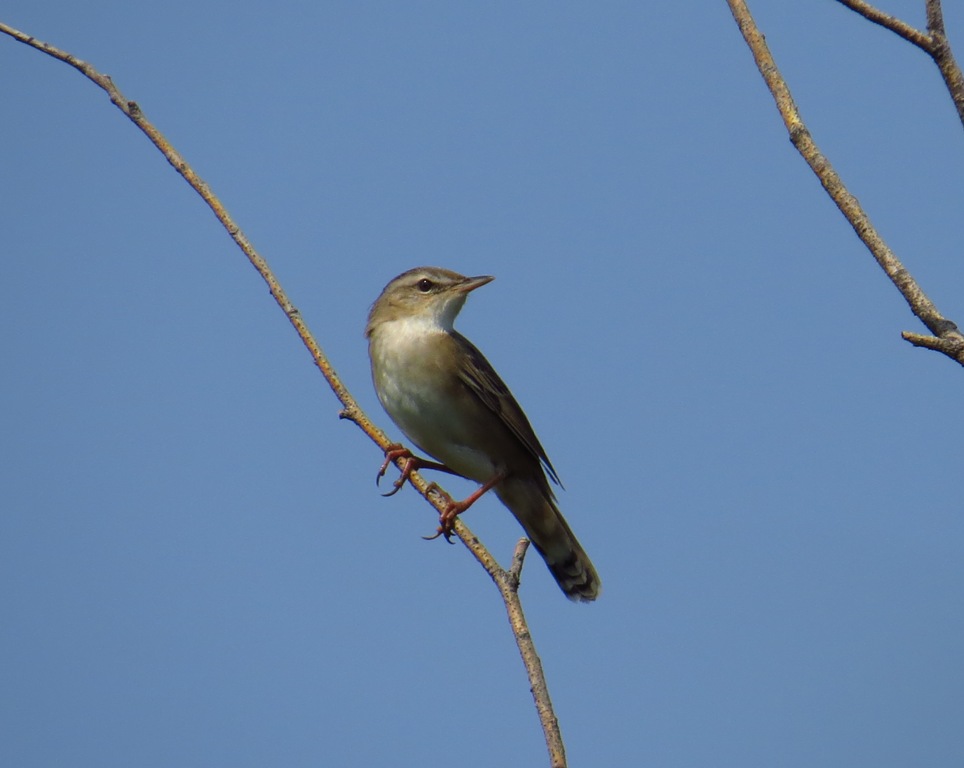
[[471, 283]]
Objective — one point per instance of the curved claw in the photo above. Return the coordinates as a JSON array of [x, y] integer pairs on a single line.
[[398, 486], [393, 452], [383, 469], [396, 451], [440, 532], [446, 520]]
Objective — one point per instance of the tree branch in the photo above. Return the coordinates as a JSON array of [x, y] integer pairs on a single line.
[[934, 43], [895, 25], [507, 582], [951, 341], [944, 57]]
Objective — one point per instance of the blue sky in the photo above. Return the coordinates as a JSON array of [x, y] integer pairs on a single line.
[[197, 568]]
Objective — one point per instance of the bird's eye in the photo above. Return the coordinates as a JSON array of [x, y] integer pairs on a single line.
[[425, 285]]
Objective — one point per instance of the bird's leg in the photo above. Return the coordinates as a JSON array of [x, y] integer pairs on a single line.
[[446, 520], [412, 463]]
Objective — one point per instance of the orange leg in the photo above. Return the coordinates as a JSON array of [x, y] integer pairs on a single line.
[[446, 520], [412, 463]]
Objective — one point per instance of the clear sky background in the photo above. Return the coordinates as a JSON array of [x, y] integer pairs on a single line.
[[196, 568]]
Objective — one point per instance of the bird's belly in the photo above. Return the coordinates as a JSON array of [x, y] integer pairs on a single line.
[[425, 404]]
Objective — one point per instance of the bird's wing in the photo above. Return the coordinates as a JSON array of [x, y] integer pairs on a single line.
[[484, 382]]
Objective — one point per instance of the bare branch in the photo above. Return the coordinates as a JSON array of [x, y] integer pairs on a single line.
[[507, 582], [849, 206], [950, 346], [518, 558], [944, 57], [935, 17], [895, 25], [934, 42]]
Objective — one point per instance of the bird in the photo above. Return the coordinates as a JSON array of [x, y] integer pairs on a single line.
[[444, 395]]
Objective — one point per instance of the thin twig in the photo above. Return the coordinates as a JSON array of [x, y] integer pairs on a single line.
[[944, 56], [952, 341], [895, 25], [508, 586], [518, 557], [934, 43]]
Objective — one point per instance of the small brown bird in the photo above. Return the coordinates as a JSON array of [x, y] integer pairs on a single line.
[[446, 397]]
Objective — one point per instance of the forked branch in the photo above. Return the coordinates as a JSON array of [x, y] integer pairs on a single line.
[[506, 581], [947, 338], [933, 42]]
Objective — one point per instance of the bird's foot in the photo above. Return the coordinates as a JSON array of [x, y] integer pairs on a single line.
[[452, 508], [412, 463], [393, 452], [446, 519]]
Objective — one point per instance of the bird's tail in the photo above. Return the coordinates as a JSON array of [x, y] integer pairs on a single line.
[[551, 535]]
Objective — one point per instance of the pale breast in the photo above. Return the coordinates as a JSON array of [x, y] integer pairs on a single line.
[[412, 369]]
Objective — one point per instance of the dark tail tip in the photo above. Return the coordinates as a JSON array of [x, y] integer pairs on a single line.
[[576, 577]]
